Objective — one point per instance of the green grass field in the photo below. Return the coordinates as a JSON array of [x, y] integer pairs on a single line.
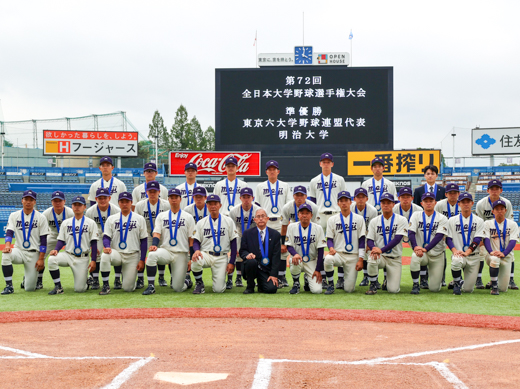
[[479, 302]]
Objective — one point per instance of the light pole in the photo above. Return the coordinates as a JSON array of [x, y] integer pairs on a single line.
[[453, 135]]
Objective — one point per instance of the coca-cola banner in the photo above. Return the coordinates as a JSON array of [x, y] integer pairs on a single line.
[[212, 163]]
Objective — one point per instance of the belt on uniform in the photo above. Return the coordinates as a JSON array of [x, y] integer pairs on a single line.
[[81, 255], [273, 219], [216, 254], [31, 251], [328, 213]]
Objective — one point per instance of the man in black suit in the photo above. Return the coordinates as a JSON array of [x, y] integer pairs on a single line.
[[261, 250], [431, 172]]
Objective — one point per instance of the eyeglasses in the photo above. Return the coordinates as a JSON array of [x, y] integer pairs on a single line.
[[261, 217]]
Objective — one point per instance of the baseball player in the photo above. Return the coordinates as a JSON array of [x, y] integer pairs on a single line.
[[55, 215], [361, 207], [324, 189], [114, 185], [79, 236], [464, 236], [272, 195], [124, 238], [290, 215], [449, 207], [243, 217], [385, 235], [500, 236], [190, 171], [346, 242], [172, 238], [306, 242], [30, 229], [484, 210], [377, 185], [229, 188], [100, 213], [139, 192], [150, 208], [215, 236], [426, 233]]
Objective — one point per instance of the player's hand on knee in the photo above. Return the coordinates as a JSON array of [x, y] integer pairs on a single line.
[[296, 259], [40, 264], [152, 248], [53, 253], [458, 253], [7, 250], [418, 251], [196, 255], [332, 251], [317, 275], [107, 250], [359, 264], [230, 268], [140, 266]]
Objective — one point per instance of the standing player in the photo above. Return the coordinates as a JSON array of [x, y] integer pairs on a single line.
[[369, 212], [346, 241], [30, 229], [243, 217], [150, 208], [290, 215], [464, 237], [198, 208], [125, 237], [306, 243], [139, 192], [385, 235], [426, 233], [431, 172], [324, 189], [79, 236], [216, 235], [377, 185], [190, 171], [272, 195], [114, 185], [55, 216], [100, 213], [500, 236], [229, 188], [172, 239], [484, 209]]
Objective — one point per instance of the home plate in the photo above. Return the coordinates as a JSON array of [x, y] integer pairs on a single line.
[[176, 377]]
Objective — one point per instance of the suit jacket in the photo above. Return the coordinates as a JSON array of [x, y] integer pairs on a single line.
[[419, 191], [250, 244]]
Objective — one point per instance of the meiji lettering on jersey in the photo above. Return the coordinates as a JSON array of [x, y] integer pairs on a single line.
[[133, 225], [19, 224], [339, 227], [76, 230], [208, 234], [334, 185], [387, 229], [145, 212], [466, 227], [435, 225], [495, 235], [166, 223], [297, 239], [378, 188], [273, 191]]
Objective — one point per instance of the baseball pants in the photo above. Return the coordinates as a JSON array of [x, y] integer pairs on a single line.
[[393, 266], [218, 265], [129, 266], [277, 225], [324, 219], [348, 263], [308, 270], [504, 271], [435, 268], [78, 265], [179, 262], [252, 272], [51, 244], [470, 265], [26, 258]]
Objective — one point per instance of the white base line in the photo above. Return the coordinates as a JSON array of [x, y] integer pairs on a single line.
[[264, 367], [122, 377]]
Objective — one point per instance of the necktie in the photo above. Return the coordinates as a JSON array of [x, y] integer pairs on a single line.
[[431, 189], [262, 235]]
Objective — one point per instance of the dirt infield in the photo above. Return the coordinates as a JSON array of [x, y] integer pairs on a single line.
[[256, 353]]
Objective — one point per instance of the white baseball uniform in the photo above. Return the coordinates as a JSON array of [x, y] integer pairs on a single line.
[[337, 183], [236, 216], [398, 209], [223, 188], [448, 210], [187, 195], [142, 209], [100, 217], [279, 199], [116, 188], [52, 238], [139, 193], [198, 214], [388, 187], [290, 213], [484, 208]]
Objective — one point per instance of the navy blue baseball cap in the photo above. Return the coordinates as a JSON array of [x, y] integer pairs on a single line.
[[232, 160], [58, 195], [29, 193], [494, 183], [213, 197], [106, 159], [388, 196], [305, 206], [125, 196], [190, 165], [271, 163], [150, 166], [377, 160], [326, 156], [405, 191], [79, 199], [344, 193], [451, 187], [428, 195], [174, 192], [359, 191], [153, 185], [499, 202], [200, 191], [300, 189], [246, 191], [100, 192], [465, 195]]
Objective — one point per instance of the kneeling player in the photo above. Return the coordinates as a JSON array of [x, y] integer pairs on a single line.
[[385, 235], [79, 235], [426, 233]]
